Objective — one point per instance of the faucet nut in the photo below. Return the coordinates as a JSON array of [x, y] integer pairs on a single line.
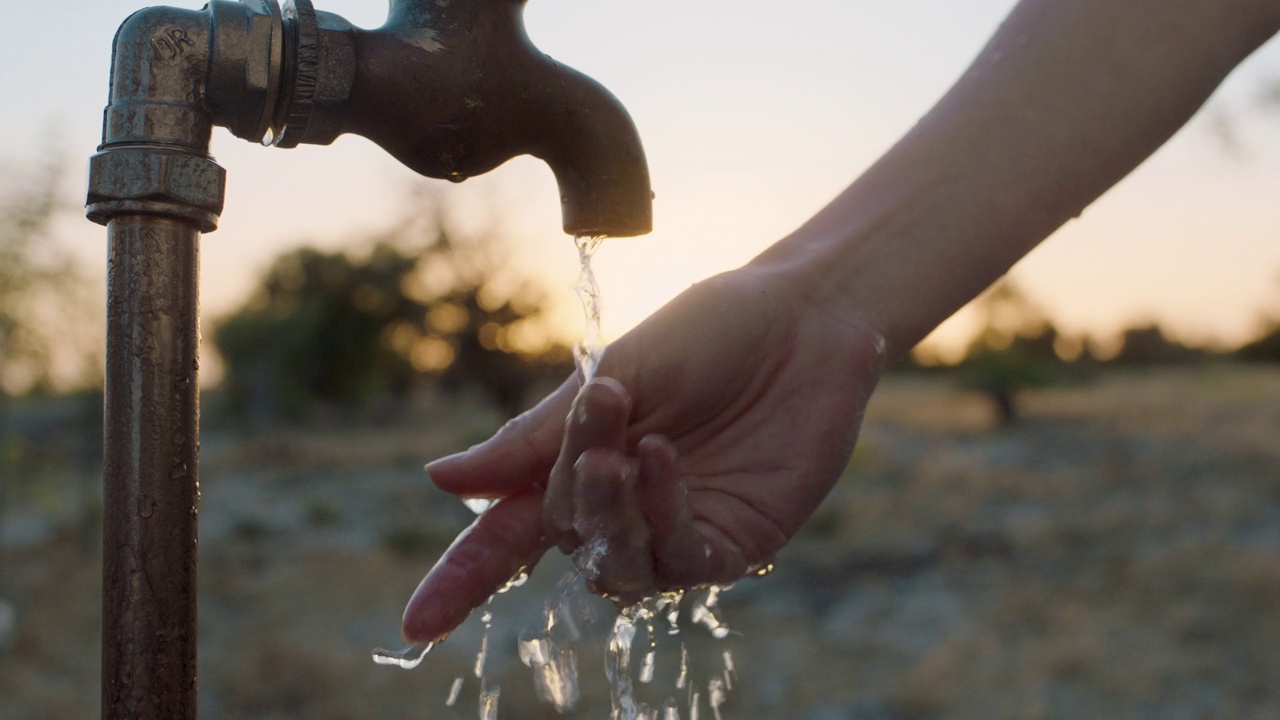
[[245, 65], [152, 180]]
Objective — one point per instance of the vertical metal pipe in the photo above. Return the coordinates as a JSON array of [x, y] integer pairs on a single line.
[[151, 482]]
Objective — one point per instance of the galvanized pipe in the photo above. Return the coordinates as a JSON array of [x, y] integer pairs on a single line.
[[151, 476]]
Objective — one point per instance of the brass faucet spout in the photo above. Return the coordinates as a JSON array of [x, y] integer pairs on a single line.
[[454, 89]]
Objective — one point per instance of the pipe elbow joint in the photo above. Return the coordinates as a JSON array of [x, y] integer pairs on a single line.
[[160, 57]]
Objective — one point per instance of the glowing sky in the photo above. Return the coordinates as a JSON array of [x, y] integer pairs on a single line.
[[753, 114]]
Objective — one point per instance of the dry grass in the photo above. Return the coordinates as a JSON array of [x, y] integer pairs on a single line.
[[1115, 556]]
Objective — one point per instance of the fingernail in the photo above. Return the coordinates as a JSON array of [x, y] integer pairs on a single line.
[[612, 384], [600, 400], [447, 459]]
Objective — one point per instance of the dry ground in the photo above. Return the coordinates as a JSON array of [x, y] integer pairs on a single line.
[[1115, 556]]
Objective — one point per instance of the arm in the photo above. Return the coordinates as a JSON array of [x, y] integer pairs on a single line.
[[1064, 101], [728, 415]]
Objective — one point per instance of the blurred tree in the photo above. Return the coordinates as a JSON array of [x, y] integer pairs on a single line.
[[1148, 345], [427, 302], [46, 342], [1016, 348], [1266, 346]]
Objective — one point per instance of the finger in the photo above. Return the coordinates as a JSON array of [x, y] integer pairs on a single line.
[[518, 456], [598, 420], [686, 553], [614, 557], [501, 543]]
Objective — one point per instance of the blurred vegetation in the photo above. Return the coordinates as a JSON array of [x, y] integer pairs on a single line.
[[45, 310], [50, 362], [1016, 348], [427, 304], [1266, 346]]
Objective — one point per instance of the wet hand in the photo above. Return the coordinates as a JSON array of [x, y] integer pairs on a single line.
[[716, 428]]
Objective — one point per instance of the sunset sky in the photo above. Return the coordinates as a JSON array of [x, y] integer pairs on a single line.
[[753, 115]]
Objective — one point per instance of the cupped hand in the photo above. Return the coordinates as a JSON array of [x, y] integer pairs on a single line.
[[715, 429]]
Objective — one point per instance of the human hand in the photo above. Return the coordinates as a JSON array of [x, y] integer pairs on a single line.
[[715, 429]]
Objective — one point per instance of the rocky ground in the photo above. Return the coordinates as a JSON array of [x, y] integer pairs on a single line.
[[1117, 555]]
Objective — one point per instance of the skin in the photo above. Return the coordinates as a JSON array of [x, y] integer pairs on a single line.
[[720, 423]]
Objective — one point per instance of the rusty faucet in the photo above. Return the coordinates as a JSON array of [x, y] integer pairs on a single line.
[[451, 88]]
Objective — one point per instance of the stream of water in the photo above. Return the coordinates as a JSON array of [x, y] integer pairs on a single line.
[[588, 352]]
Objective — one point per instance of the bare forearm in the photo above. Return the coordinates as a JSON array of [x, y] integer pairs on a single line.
[[1067, 98]]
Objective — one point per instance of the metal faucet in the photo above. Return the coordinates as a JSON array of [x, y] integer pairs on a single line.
[[451, 88]]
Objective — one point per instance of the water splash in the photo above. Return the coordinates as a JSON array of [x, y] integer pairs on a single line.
[[683, 680], [618, 667], [669, 606], [588, 352], [587, 557], [408, 658], [716, 695], [704, 614], [549, 654], [555, 671], [646, 668]]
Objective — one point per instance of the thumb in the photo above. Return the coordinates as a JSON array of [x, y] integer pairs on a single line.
[[520, 455]]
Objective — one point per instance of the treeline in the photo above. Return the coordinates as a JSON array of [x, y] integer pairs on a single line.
[[1019, 347], [425, 305], [431, 305]]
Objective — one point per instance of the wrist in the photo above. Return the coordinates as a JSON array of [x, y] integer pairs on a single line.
[[879, 257]]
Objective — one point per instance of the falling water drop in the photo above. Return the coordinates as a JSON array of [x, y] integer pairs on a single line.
[[729, 671], [704, 614], [483, 654], [517, 580], [683, 680], [454, 691], [489, 704], [408, 658], [671, 604], [716, 695], [646, 667], [618, 666]]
